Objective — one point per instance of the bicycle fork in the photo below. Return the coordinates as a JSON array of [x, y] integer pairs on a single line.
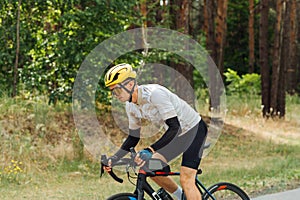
[[142, 186]]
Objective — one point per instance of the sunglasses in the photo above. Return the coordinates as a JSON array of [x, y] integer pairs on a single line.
[[118, 89]]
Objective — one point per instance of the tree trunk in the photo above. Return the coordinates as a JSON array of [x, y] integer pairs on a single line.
[[285, 59], [209, 28], [291, 76], [276, 59], [211, 46], [143, 8], [221, 32], [14, 92], [180, 9], [251, 36], [298, 48], [263, 57], [182, 16]]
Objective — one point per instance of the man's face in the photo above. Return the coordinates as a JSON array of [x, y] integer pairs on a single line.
[[119, 91]]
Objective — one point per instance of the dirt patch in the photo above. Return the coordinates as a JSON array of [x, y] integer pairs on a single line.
[[278, 131]]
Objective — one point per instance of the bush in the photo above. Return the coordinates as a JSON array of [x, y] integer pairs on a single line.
[[247, 84]]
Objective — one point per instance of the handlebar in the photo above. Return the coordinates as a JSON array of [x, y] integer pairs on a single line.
[[130, 163], [124, 161], [104, 162]]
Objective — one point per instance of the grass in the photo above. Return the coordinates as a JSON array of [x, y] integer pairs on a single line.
[[43, 158], [255, 166]]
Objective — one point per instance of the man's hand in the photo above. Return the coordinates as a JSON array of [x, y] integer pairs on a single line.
[[143, 156], [111, 160]]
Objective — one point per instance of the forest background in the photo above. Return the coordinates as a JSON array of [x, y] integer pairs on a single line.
[[255, 45]]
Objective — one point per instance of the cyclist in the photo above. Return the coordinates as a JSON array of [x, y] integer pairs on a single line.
[[185, 130]]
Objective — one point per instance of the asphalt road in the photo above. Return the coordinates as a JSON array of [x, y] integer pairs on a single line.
[[287, 195]]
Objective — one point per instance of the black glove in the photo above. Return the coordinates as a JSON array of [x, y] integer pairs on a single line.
[[112, 160]]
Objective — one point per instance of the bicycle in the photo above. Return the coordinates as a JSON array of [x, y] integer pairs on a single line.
[[218, 191]]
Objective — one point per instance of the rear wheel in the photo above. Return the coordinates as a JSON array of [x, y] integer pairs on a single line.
[[225, 191], [123, 196]]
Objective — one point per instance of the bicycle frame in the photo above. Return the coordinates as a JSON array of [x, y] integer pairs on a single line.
[[151, 170], [143, 185]]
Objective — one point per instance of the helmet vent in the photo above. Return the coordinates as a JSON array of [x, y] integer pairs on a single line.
[[116, 77]]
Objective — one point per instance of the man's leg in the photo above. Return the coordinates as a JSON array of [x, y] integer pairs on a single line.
[[164, 181], [187, 180], [195, 140], [191, 159]]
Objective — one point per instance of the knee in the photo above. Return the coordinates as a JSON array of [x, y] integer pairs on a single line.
[[155, 178], [186, 180]]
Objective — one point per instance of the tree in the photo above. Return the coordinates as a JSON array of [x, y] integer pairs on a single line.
[[251, 37], [276, 60], [221, 29], [43, 47], [215, 28], [263, 56], [209, 28], [291, 76], [14, 93], [210, 33], [179, 10], [54, 38], [285, 57], [298, 48]]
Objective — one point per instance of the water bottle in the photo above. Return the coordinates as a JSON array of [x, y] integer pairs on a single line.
[[164, 194]]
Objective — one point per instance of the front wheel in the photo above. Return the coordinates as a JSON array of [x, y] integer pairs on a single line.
[[225, 191], [123, 196]]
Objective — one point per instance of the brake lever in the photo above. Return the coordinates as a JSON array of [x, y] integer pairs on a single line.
[[104, 162], [133, 153]]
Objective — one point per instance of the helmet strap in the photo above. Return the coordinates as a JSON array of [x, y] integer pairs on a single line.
[[131, 92]]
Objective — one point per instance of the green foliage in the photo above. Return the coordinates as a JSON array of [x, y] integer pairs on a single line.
[[248, 84], [236, 52], [56, 36]]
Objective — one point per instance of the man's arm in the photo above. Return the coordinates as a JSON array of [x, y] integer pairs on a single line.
[[131, 141], [173, 131]]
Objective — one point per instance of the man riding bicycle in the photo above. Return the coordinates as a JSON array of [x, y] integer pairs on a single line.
[[185, 130]]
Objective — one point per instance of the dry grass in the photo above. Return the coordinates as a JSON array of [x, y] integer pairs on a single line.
[[246, 113], [279, 131], [252, 152]]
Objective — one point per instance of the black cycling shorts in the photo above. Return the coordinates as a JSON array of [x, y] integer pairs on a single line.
[[190, 144]]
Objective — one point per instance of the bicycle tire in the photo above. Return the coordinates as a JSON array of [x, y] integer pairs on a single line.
[[225, 191], [123, 196]]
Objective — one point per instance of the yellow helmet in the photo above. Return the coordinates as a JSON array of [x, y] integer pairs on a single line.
[[118, 74]]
